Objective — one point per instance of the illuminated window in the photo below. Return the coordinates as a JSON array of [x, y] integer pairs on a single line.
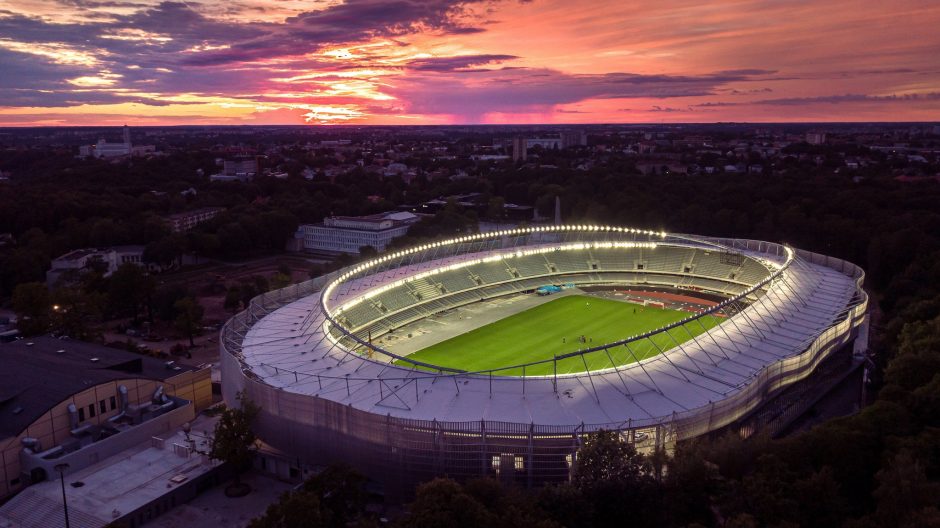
[[495, 463], [519, 463]]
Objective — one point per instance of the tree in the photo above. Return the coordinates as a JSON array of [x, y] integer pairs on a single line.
[[164, 300], [166, 251], [496, 210], [32, 304], [342, 494], [188, 318], [293, 510], [443, 503], [234, 240], [233, 299], [20, 266], [77, 312], [280, 280], [904, 489], [606, 457], [610, 474], [247, 292], [130, 289], [367, 252], [234, 441], [334, 498]]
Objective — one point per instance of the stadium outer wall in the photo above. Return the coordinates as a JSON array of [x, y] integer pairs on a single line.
[[398, 452]]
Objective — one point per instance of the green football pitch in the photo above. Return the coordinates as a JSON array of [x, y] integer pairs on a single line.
[[555, 328]]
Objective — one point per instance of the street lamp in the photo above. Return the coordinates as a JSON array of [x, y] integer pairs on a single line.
[[61, 468]]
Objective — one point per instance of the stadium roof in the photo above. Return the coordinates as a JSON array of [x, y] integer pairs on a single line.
[[289, 350]]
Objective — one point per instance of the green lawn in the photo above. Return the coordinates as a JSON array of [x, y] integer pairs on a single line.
[[552, 329]]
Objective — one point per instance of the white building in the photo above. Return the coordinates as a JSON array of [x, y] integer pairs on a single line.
[[182, 222], [103, 149], [80, 260], [815, 138], [346, 234]]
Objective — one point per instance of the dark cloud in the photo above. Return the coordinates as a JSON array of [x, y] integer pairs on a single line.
[[747, 71], [204, 55], [751, 91], [669, 109], [536, 89], [27, 82], [457, 63], [851, 98], [351, 21], [716, 104]]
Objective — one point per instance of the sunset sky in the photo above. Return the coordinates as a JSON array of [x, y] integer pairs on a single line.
[[141, 62]]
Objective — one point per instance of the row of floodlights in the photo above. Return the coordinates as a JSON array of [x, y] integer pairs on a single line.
[[493, 258], [791, 254], [493, 234]]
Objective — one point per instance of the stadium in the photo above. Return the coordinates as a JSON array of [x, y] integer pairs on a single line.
[[495, 354]]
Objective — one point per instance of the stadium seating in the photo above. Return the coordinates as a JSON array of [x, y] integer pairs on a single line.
[[423, 289], [530, 265], [669, 266], [565, 261], [396, 299], [456, 281], [491, 272]]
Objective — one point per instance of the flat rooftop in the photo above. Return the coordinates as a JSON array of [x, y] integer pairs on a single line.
[[115, 486]]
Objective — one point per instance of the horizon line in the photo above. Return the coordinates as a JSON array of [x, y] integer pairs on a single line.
[[497, 125]]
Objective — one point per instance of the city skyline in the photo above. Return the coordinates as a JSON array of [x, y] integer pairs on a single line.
[[465, 62]]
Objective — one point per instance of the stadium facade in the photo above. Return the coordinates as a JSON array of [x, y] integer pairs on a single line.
[[307, 354]]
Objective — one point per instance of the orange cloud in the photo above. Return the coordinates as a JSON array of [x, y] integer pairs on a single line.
[[452, 61]]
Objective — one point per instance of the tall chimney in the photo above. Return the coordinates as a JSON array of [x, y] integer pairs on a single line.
[[557, 210]]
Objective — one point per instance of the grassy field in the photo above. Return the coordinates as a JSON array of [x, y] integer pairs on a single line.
[[552, 329]]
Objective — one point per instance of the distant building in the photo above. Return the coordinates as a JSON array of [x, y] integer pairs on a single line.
[[80, 260], [182, 222], [395, 169], [489, 157], [573, 138], [816, 138], [142, 150], [519, 148], [240, 166], [346, 234], [239, 169], [545, 143], [73, 402], [335, 143], [103, 149]]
